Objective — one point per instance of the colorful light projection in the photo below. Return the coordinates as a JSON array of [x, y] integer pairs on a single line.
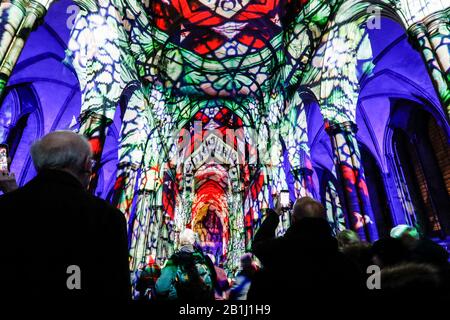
[[187, 75], [171, 64], [176, 66]]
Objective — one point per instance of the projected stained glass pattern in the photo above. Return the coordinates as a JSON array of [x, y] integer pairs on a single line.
[[163, 62], [213, 120]]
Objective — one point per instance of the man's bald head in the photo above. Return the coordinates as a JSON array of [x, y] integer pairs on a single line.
[[62, 150], [307, 207]]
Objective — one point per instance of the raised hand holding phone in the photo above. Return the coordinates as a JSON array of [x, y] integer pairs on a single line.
[[285, 199], [4, 158], [277, 204], [282, 201], [7, 180]]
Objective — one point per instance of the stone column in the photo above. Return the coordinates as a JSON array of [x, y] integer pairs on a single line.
[[18, 19], [148, 220], [438, 25], [94, 126], [11, 16], [431, 37], [294, 132], [304, 184], [237, 242], [124, 187], [351, 174]]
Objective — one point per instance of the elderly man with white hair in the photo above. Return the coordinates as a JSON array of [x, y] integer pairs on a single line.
[[188, 275], [58, 241]]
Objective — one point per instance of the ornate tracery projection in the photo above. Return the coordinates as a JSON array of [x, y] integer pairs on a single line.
[[212, 97], [214, 100], [203, 84]]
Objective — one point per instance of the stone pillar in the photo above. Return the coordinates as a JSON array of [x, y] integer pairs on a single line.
[[431, 37], [148, 220], [11, 17], [237, 242], [124, 187], [19, 18], [295, 135], [94, 126], [304, 184], [351, 175], [438, 25]]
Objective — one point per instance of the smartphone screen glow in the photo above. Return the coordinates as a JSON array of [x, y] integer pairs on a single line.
[[284, 199], [3, 159]]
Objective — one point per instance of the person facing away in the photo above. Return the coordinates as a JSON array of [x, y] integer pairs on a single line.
[[188, 275], [421, 249], [355, 249], [305, 261], [146, 280], [58, 241], [424, 251], [347, 238], [222, 283], [244, 278], [8, 181]]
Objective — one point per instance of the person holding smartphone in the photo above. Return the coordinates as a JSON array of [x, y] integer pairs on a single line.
[[305, 261], [7, 179]]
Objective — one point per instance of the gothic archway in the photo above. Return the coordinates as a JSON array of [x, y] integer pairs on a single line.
[[419, 168]]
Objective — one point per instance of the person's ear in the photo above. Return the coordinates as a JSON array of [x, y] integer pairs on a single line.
[[87, 167], [293, 218]]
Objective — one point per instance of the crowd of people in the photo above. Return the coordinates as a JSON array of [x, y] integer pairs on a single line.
[[308, 260], [52, 224]]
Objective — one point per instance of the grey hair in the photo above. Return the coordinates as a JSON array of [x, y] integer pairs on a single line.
[[61, 150], [187, 237]]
